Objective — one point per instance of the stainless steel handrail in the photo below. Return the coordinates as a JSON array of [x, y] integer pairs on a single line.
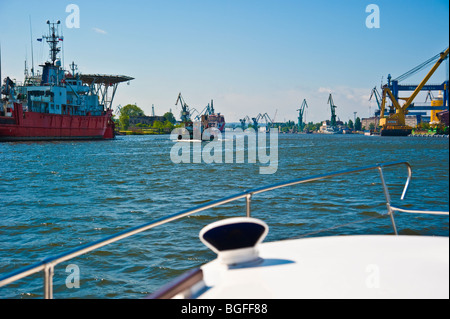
[[47, 265], [415, 211]]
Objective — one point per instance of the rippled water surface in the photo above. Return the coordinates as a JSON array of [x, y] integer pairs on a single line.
[[58, 195]]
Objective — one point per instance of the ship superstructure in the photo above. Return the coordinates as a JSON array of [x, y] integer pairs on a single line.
[[58, 104]]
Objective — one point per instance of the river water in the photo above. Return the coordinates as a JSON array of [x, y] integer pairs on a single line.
[[58, 195]]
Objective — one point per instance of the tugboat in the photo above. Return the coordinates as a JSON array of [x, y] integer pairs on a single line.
[[58, 105], [208, 119]]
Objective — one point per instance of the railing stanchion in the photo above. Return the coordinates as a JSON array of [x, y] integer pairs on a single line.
[[388, 199], [48, 281], [248, 200]]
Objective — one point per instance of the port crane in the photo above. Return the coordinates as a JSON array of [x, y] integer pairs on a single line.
[[377, 98], [260, 116], [333, 110], [395, 124], [269, 121], [255, 122], [301, 111], [245, 119], [208, 110], [186, 112]]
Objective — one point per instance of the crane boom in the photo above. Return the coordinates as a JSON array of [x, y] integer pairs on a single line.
[[333, 111], [395, 124], [426, 78], [301, 111], [185, 114], [377, 96]]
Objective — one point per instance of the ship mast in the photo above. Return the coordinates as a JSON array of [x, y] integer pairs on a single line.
[[32, 55], [53, 39]]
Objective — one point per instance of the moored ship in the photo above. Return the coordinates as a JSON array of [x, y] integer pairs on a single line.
[[58, 105]]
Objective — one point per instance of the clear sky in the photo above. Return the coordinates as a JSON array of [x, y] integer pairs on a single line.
[[249, 56]]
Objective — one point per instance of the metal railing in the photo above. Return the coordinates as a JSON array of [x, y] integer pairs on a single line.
[[47, 265]]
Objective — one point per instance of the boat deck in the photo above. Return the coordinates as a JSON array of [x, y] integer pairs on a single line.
[[356, 267]]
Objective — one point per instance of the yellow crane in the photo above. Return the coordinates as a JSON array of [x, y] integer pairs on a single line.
[[395, 124]]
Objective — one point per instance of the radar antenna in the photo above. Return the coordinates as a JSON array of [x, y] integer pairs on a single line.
[[53, 39]]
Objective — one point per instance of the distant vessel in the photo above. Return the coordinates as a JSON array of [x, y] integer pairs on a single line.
[[58, 105], [207, 119], [211, 119]]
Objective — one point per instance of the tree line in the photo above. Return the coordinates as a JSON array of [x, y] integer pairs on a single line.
[[132, 110]]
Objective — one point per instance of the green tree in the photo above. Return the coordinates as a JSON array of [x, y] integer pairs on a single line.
[[350, 124], [129, 110], [158, 125], [168, 126], [169, 117], [358, 124], [124, 121]]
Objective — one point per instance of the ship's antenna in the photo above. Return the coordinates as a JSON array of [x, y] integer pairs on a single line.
[[62, 45], [53, 39], [32, 55], [25, 72]]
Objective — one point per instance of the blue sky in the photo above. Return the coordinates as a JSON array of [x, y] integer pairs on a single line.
[[249, 56]]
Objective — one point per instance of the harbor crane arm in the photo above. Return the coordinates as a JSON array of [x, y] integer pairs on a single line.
[[399, 117], [426, 78], [185, 113], [330, 101], [383, 101], [207, 110], [267, 117], [377, 96], [408, 102], [180, 98], [269, 121], [333, 108], [302, 107], [301, 111]]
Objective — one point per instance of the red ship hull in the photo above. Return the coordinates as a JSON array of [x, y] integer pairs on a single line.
[[33, 126]]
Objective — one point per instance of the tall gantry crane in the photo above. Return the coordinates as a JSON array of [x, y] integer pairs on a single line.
[[333, 110], [301, 112]]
